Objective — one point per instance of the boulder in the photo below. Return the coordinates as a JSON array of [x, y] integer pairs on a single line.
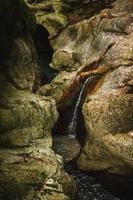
[[101, 45], [88, 45], [108, 108], [109, 122], [29, 168]]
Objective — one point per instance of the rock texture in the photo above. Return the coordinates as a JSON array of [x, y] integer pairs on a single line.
[[100, 45], [29, 169], [108, 109], [83, 47], [67, 147], [55, 15]]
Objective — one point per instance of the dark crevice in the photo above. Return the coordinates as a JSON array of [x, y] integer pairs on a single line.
[[105, 3], [45, 53], [130, 90]]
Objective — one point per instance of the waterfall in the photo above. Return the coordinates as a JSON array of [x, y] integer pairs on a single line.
[[73, 123]]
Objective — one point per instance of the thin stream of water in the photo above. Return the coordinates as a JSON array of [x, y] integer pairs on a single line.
[[73, 123]]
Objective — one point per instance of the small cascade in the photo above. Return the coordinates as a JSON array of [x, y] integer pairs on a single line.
[[67, 137], [74, 120]]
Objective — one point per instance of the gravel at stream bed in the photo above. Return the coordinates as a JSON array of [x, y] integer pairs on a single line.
[[100, 186]]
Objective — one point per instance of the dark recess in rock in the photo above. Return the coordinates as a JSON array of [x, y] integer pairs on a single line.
[[45, 52]]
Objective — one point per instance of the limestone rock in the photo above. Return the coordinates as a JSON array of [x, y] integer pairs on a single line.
[[29, 169], [59, 89], [101, 45], [55, 15], [109, 122], [108, 110]]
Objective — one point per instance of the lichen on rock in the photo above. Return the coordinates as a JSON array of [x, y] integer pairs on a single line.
[[84, 44], [29, 169], [101, 45]]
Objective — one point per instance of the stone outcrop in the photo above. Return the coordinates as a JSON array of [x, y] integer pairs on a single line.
[[55, 15], [109, 122], [29, 169], [84, 45], [100, 45]]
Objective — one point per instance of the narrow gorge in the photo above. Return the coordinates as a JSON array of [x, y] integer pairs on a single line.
[[66, 100]]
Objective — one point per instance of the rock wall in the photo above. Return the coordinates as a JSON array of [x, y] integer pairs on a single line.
[[55, 15], [29, 169], [84, 44], [108, 109], [99, 45]]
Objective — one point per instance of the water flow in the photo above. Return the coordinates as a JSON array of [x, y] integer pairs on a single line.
[[73, 123]]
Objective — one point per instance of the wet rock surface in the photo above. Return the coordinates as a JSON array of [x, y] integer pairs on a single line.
[[109, 121], [67, 147], [101, 45]]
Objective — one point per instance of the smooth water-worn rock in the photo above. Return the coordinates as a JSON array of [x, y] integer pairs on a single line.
[[108, 117], [108, 111], [60, 89], [55, 15], [68, 148], [82, 47], [29, 169], [101, 45]]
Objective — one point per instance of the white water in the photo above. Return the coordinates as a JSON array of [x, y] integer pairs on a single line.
[[73, 123]]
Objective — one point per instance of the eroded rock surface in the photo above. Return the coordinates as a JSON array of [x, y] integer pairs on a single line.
[[55, 15], [83, 47], [67, 147], [29, 169], [109, 121], [108, 109], [100, 45]]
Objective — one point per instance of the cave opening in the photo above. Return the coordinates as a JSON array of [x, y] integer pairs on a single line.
[[45, 53]]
